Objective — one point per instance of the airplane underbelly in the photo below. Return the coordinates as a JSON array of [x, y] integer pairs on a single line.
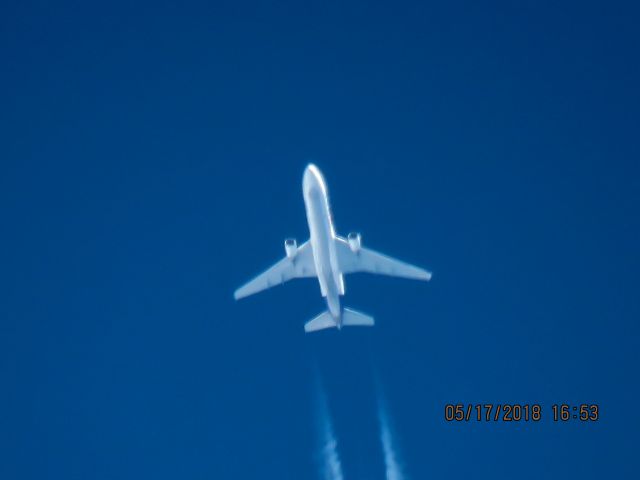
[[323, 267], [322, 242], [330, 279]]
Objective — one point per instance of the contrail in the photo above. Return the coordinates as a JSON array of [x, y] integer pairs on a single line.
[[331, 466], [393, 467]]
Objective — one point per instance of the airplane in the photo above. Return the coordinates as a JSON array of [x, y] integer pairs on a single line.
[[328, 257]]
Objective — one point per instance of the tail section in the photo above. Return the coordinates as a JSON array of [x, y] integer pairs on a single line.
[[322, 321], [350, 318]]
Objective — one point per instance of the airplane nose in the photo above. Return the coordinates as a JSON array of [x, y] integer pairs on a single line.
[[311, 169], [310, 177]]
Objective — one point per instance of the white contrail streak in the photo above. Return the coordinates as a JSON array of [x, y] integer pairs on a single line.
[[393, 467], [331, 466]]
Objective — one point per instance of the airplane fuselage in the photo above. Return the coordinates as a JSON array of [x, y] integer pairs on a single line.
[[322, 238]]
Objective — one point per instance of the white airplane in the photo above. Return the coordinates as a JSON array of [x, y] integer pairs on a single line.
[[328, 256]]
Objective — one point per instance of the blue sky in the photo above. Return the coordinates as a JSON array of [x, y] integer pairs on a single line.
[[151, 162]]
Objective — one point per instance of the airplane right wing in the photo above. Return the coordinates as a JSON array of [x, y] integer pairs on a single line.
[[301, 265], [365, 260]]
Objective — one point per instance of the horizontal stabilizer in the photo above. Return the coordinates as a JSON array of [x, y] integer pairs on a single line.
[[352, 318], [322, 321]]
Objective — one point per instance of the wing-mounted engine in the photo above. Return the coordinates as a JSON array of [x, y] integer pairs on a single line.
[[291, 247], [355, 242]]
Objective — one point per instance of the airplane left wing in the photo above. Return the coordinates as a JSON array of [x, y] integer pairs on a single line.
[[299, 266], [365, 260]]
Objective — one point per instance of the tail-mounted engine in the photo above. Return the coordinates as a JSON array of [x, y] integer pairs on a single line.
[[291, 247], [355, 242]]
